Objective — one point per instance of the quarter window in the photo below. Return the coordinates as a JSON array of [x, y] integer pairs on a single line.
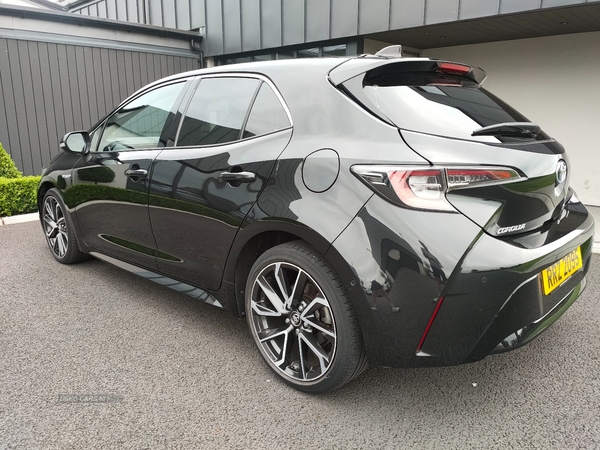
[[267, 114], [139, 124], [217, 111]]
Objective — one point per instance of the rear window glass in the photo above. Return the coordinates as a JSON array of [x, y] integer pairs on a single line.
[[217, 111], [437, 104], [267, 114]]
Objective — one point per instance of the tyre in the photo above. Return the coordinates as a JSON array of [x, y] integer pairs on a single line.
[[302, 319], [59, 231]]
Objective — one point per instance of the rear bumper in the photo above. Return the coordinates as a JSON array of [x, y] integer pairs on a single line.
[[535, 328], [493, 297]]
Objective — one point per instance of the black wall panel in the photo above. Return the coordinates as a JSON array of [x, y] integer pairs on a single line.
[[407, 13], [293, 22], [235, 26], [232, 31], [250, 25], [344, 18], [48, 89]]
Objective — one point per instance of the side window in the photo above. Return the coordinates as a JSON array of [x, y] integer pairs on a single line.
[[267, 114], [139, 124], [217, 111]]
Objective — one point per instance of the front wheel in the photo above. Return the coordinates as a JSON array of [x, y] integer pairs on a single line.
[[302, 319], [58, 229]]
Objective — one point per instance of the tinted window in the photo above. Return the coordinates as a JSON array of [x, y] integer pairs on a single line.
[[267, 114], [217, 111], [139, 124], [438, 104]]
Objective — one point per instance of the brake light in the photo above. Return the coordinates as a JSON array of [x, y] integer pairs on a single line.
[[458, 69], [425, 188]]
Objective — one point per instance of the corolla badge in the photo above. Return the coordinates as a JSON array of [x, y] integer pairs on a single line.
[[510, 229], [561, 171]]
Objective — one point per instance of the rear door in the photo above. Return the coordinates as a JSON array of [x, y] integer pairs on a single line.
[[230, 136], [110, 184]]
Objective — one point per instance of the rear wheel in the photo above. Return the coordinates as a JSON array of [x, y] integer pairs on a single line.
[[302, 320], [59, 231]]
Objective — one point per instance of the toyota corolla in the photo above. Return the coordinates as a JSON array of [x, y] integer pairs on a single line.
[[370, 210]]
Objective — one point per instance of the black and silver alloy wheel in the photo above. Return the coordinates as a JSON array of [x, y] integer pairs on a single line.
[[293, 321], [55, 227], [301, 319], [59, 229]]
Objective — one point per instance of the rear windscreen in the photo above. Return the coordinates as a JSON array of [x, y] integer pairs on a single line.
[[439, 104]]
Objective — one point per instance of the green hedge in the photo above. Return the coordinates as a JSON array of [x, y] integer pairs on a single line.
[[18, 195], [7, 165]]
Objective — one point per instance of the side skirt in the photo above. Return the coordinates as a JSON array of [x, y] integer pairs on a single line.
[[184, 288]]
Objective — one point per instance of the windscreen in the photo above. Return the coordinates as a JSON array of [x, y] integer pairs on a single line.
[[439, 104]]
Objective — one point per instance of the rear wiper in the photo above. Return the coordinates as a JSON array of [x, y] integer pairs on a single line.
[[510, 129]]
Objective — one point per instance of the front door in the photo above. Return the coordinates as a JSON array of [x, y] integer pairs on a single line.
[[110, 184]]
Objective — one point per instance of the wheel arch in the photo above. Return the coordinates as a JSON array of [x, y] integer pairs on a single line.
[[44, 187], [255, 239]]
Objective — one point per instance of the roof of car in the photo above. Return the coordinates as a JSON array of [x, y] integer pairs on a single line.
[[291, 67], [291, 72], [324, 65]]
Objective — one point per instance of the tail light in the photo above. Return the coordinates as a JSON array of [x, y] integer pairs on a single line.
[[426, 187], [469, 177]]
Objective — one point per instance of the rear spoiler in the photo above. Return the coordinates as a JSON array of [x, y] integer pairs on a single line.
[[381, 64], [351, 76]]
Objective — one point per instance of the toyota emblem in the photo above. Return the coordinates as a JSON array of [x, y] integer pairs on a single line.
[[561, 171]]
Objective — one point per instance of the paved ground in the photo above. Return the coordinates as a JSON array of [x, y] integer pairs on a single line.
[[186, 375]]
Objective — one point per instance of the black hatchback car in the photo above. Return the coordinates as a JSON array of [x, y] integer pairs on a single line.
[[375, 209]]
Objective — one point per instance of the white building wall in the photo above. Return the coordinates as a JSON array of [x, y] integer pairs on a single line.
[[555, 82]]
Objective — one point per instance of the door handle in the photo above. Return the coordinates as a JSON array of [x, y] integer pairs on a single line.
[[240, 177], [136, 173]]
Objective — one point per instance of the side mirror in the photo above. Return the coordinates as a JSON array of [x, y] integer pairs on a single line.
[[76, 142]]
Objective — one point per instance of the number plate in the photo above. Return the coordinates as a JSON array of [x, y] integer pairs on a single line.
[[560, 271]]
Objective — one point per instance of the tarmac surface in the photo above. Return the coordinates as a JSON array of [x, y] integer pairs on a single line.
[[94, 357]]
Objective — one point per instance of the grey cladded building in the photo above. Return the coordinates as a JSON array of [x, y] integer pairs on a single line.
[[61, 72], [540, 55]]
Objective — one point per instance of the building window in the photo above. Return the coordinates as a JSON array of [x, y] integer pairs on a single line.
[[335, 50], [286, 55], [267, 57], [310, 52]]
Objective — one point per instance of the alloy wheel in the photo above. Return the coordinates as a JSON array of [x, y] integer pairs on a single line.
[[55, 227], [293, 322]]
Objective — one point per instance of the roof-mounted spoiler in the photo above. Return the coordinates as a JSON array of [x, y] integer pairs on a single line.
[[357, 66]]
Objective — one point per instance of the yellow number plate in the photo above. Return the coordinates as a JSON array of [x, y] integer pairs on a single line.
[[557, 273]]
